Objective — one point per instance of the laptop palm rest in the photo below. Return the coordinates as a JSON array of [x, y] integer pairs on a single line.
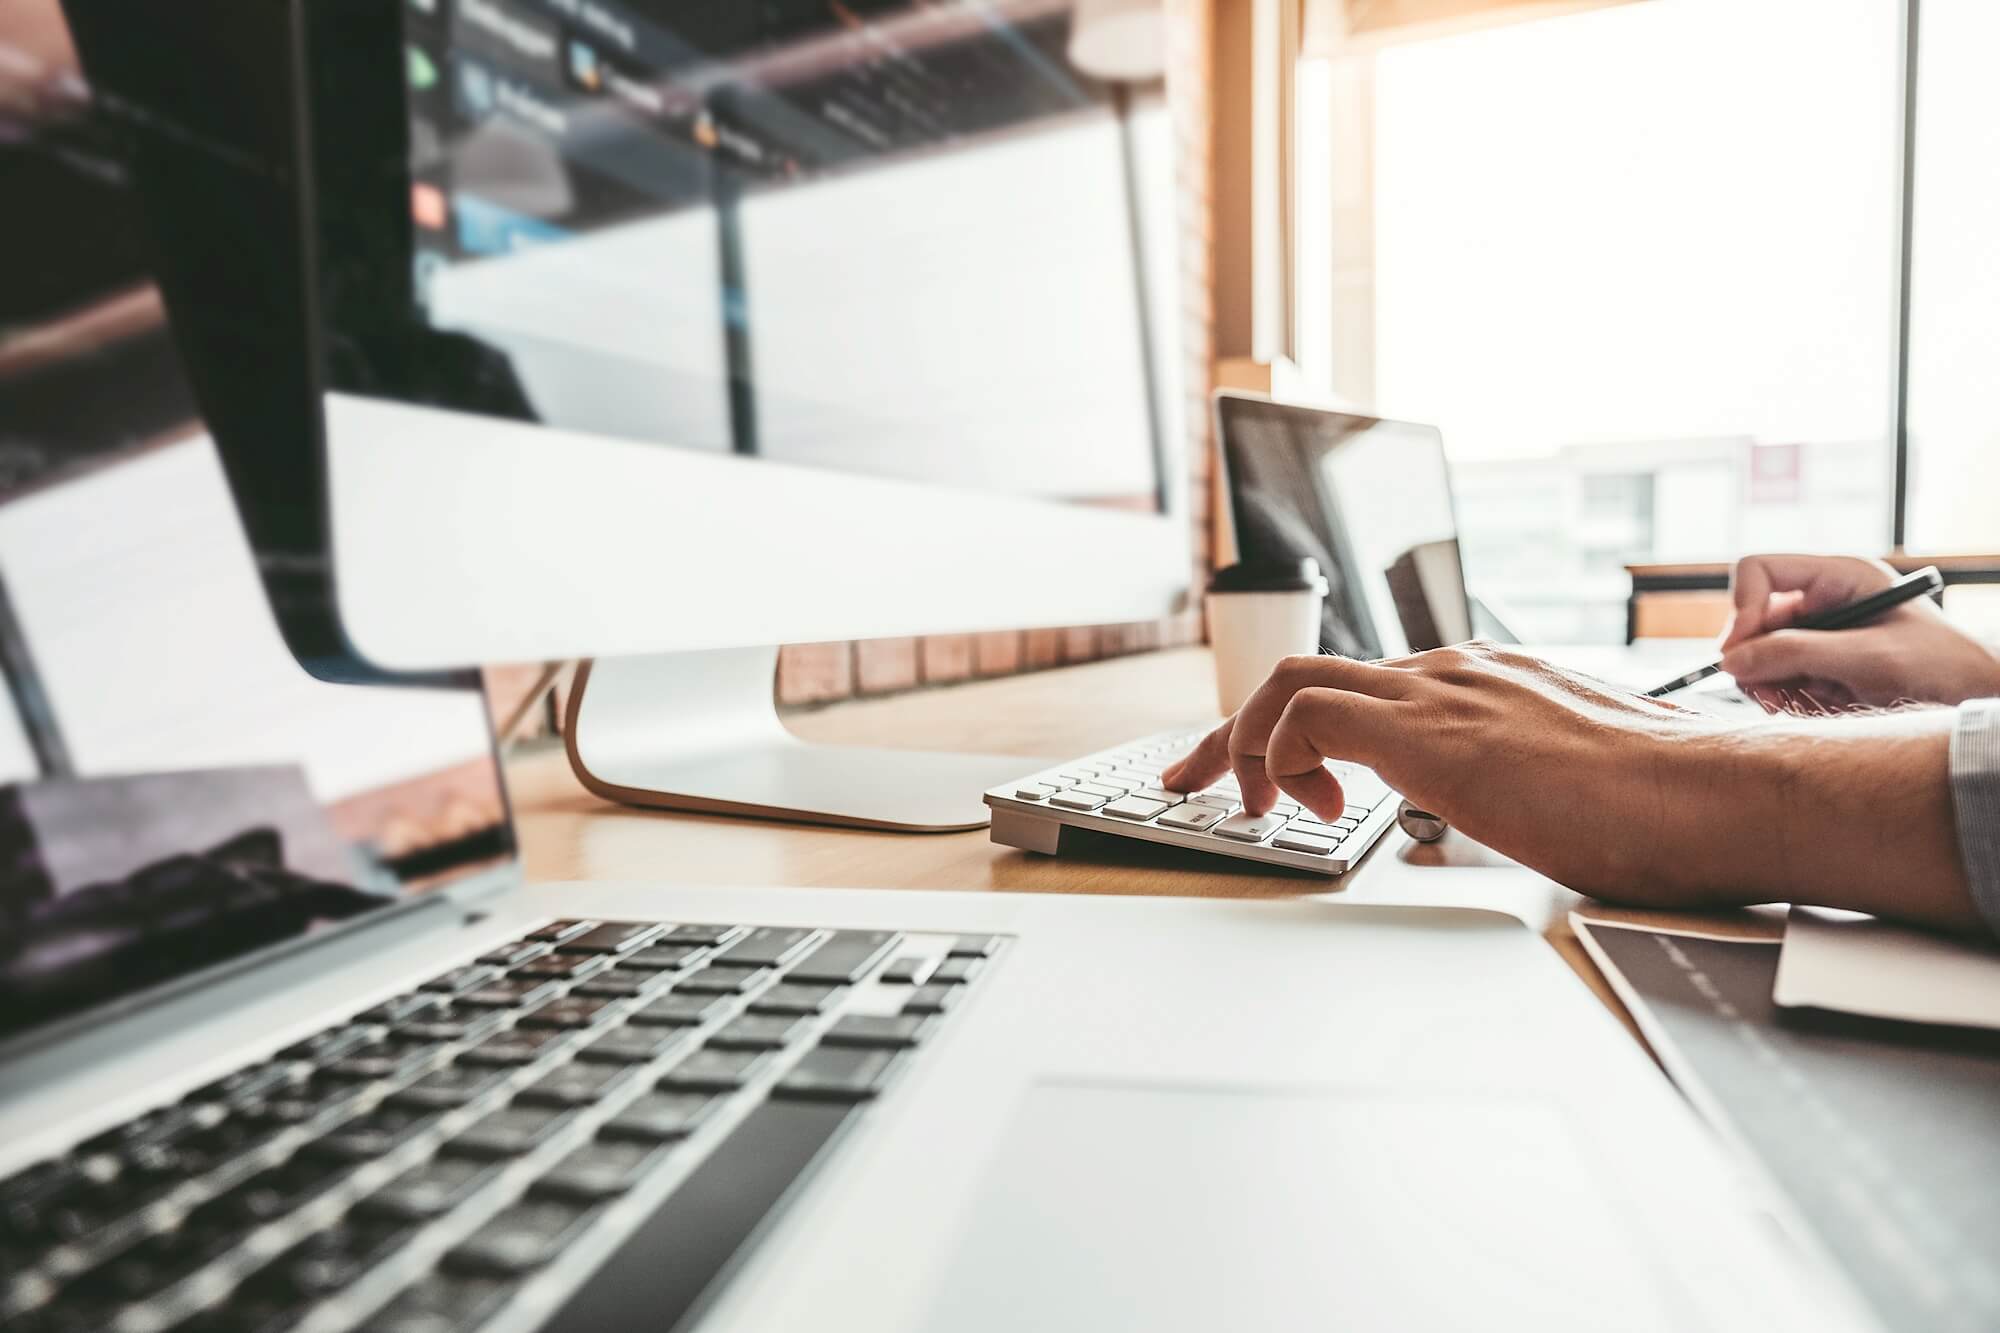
[[1171, 1208]]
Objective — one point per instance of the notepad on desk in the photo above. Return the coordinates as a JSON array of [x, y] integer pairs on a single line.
[[1855, 964]]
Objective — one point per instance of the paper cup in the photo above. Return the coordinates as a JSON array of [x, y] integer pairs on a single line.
[[1257, 616]]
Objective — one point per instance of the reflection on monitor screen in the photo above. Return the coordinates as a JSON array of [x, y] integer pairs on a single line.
[[175, 791], [897, 239]]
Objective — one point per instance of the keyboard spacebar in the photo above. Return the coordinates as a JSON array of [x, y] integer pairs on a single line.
[[655, 1277]]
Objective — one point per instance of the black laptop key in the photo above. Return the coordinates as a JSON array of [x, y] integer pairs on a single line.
[[443, 1303], [452, 1024], [518, 1046], [703, 1223], [558, 931], [403, 1008], [522, 1238], [325, 1262], [508, 1133], [891, 1031], [572, 1011], [156, 1127], [712, 1070], [249, 1085], [574, 1085], [601, 1170], [461, 979], [758, 1032], [510, 993], [844, 957], [664, 957], [334, 1043], [452, 1086], [975, 946], [624, 983], [680, 1009], [164, 1258], [837, 1074], [509, 955], [766, 946], [788, 998], [281, 1189], [373, 1135], [957, 971], [564, 967], [613, 937], [430, 1190], [906, 971], [701, 934], [387, 1061], [933, 999], [660, 1116], [32, 1186], [632, 1045], [719, 980]]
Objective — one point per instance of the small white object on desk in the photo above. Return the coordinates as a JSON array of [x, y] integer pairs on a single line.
[[1857, 964]]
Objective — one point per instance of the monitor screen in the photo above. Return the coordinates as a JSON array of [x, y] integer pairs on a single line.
[[176, 792], [1370, 500], [897, 238]]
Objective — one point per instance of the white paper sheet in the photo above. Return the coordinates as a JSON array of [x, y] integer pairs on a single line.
[[1859, 965]]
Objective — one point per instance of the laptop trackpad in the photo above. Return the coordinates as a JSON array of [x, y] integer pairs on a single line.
[[1139, 1207]]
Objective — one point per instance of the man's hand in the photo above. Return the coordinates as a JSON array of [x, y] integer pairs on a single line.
[[1626, 798], [1909, 654]]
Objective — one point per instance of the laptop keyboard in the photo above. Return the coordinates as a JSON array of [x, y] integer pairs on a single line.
[[569, 1103], [1118, 791]]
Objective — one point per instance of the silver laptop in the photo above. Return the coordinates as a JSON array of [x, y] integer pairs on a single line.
[[285, 1042]]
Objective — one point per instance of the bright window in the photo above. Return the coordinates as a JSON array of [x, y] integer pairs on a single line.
[[1639, 265]]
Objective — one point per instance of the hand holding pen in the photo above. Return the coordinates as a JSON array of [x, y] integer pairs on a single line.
[[1817, 633]]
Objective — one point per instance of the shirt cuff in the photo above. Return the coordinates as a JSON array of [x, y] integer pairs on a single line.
[[1975, 798]]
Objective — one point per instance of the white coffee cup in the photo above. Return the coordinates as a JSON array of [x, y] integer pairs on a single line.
[[1259, 614]]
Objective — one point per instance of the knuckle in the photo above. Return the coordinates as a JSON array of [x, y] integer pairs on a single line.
[[1295, 667]]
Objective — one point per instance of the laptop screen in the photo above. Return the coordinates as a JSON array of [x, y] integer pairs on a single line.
[[176, 792], [1370, 500]]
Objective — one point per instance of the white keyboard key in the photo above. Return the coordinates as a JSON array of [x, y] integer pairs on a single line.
[[1246, 827], [1134, 808], [1035, 791], [1077, 799], [1122, 784], [1109, 793], [1159, 794], [1314, 828], [1209, 798], [1299, 842], [1192, 817]]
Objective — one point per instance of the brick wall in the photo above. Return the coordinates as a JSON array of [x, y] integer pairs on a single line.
[[818, 673]]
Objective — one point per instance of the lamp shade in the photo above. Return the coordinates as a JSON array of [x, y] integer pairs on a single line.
[[1118, 39]]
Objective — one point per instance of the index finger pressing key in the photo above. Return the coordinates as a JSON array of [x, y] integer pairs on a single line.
[[1203, 765]]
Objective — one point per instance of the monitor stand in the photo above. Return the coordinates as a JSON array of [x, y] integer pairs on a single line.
[[700, 731]]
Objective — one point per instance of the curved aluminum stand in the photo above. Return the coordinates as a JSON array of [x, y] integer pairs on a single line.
[[699, 731]]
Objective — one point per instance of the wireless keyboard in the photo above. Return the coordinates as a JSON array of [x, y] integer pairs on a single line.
[[623, 1099], [1118, 791]]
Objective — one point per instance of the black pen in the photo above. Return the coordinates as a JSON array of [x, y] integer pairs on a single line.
[[1924, 582]]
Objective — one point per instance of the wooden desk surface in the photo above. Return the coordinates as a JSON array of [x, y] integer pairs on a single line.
[[569, 834]]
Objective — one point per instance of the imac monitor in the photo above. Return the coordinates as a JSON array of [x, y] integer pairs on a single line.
[[677, 325], [1369, 499], [665, 332]]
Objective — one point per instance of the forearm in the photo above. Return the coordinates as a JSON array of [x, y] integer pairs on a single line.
[[1852, 812]]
